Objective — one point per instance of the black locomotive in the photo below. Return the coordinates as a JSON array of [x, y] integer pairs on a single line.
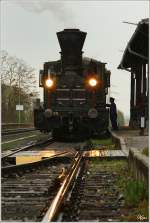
[[75, 90]]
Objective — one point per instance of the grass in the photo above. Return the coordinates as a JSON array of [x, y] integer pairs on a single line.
[[134, 192], [108, 143], [145, 151], [105, 142], [135, 195], [115, 165]]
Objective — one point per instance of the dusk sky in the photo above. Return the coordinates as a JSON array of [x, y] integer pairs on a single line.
[[28, 31]]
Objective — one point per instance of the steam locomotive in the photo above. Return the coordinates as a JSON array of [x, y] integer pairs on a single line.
[[75, 90]]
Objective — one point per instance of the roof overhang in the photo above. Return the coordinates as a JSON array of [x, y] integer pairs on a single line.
[[137, 48]]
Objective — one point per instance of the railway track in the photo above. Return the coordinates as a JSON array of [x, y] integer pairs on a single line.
[[28, 189], [15, 131], [87, 193], [96, 196], [33, 145], [40, 150]]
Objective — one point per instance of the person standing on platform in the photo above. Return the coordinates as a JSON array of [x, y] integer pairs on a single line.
[[113, 113]]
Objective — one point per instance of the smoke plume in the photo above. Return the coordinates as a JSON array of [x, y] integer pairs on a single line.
[[59, 9]]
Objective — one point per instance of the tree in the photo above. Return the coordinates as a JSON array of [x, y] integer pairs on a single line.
[[18, 85], [15, 72]]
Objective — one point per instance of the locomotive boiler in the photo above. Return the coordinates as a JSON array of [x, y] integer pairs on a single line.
[[75, 90]]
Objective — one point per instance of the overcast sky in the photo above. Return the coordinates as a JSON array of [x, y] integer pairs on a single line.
[[28, 31]]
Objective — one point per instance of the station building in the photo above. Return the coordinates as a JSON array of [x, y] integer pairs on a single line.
[[136, 61]]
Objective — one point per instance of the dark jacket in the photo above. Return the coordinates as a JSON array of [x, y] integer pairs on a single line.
[[113, 110]]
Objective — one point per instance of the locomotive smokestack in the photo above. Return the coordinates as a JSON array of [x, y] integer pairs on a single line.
[[71, 43], [71, 39]]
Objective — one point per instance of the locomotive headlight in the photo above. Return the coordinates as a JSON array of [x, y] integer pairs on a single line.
[[49, 83], [92, 82]]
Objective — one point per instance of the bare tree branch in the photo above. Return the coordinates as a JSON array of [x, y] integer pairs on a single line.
[[18, 86]]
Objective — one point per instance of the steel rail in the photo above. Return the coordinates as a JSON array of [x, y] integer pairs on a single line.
[[20, 187], [50, 140], [23, 166], [15, 131], [57, 201], [4, 125]]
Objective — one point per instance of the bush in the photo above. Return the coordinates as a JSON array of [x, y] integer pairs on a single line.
[[135, 191], [145, 151]]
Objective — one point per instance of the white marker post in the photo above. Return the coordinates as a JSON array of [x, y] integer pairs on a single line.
[[19, 108], [142, 125]]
